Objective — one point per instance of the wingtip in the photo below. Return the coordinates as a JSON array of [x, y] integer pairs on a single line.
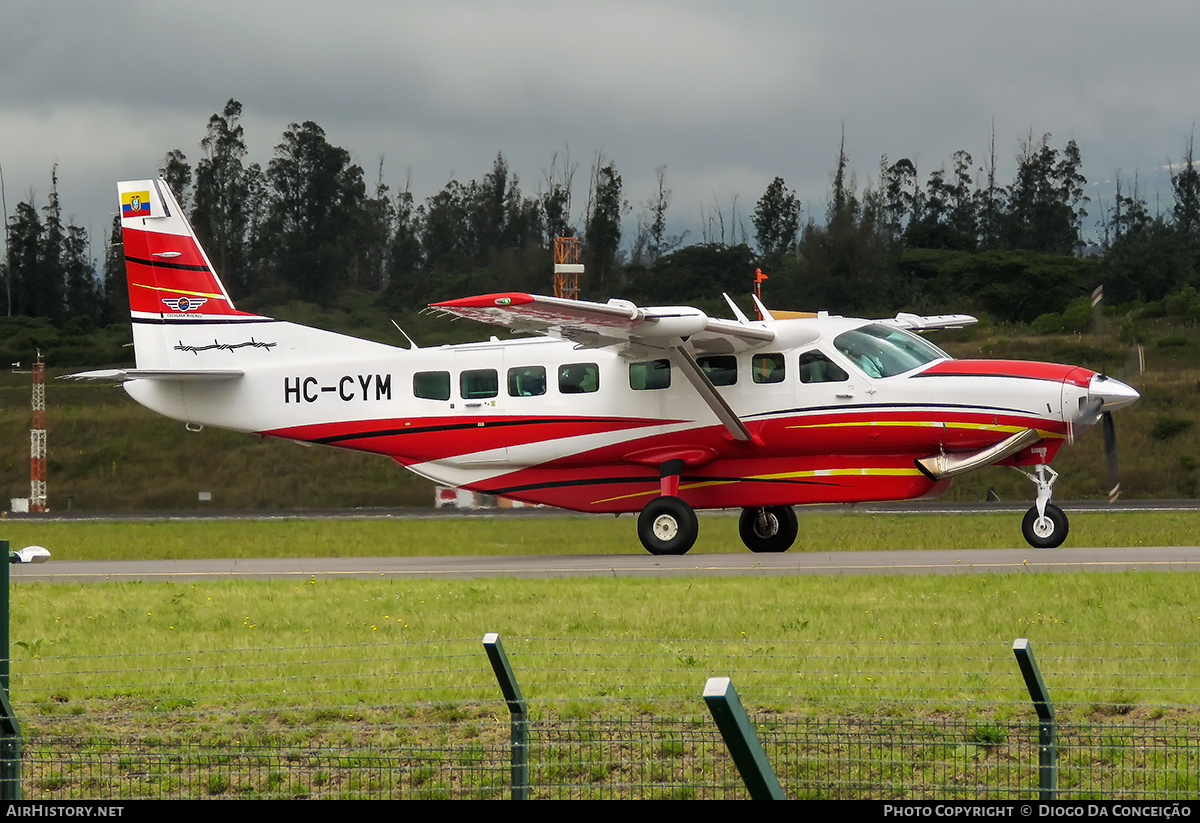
[[482, 301]]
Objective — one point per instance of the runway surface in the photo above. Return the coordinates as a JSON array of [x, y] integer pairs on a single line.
[[965, 561]]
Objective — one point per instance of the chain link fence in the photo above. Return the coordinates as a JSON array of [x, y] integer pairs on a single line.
[[608, 720]]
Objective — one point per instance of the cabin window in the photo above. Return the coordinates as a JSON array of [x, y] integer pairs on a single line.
[[474, 384], [527, 381], [578, 378], [650, 374], [768, 368], [817, 368], [432, 385], [721, 369]]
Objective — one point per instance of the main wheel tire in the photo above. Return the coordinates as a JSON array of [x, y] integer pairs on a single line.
[[668, 526], [768, 528], [1047, 532]]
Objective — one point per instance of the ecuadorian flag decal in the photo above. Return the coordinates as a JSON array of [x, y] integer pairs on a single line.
[[135, 204]]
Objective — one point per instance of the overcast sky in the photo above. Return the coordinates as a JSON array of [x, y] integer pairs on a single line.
[[725, 95]]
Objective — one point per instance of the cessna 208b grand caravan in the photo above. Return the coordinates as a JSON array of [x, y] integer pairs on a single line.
[[611, 407]]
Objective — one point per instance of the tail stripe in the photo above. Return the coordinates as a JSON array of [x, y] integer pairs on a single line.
[[162, 264]]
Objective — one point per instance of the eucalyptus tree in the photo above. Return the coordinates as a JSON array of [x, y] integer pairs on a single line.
[[178, 175], [776, 222], [1186, 186], [23, 272], [1045, 208], [222, 210], [316, 203], [602, 232], [900, 195], [115, 297]]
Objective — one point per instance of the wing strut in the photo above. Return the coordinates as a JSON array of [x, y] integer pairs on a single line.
[[684, 361]]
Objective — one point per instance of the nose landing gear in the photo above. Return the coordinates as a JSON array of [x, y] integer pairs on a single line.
[[1045, 526]]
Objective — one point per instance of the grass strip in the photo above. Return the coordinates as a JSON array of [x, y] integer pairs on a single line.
[[436, 536], [939, 641]]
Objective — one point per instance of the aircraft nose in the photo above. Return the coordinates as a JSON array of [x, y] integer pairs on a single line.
[[1108, 394]]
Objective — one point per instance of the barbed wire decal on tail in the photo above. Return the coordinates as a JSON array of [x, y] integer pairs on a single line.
[[252, 343]]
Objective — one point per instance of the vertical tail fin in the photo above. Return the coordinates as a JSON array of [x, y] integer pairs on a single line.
[[171, 281], [170, 277]]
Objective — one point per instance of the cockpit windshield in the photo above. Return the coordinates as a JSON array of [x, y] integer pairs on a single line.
[[884, 351]]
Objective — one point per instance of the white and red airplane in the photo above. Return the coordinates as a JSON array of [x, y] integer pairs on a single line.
[[611, 407]]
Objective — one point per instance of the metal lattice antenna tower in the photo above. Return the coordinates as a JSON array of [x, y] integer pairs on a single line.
[[37, 440], [567, 267]]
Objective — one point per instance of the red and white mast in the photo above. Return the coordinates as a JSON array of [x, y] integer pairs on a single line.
[[37, 440]]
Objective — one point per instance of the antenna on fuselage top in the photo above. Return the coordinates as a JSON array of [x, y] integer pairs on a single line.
[[738, 314], [411, 344], [763, 311]]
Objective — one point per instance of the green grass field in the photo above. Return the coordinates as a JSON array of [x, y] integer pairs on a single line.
[[519, 534], [888, 611], [941, 643]]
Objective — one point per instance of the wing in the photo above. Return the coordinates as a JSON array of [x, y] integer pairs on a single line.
[[675, 331], [595, 325], [915, 322]]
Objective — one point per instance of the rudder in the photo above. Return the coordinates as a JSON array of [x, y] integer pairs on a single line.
[[169, 276]]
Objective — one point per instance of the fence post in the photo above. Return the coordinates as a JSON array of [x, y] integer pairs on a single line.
[[1047, 738], [519, 747], [740, 739], [10, 729]]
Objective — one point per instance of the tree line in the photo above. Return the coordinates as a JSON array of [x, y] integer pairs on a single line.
[[311, 224]]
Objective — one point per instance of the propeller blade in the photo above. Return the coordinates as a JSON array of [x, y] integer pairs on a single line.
[[1086, 416], [1110, 456]]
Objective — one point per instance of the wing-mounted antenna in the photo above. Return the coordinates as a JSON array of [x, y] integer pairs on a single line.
[[411, 344], [737, 313]]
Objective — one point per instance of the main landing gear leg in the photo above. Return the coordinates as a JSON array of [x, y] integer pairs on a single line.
[[1045, 525], [668, 525], [768, 528]]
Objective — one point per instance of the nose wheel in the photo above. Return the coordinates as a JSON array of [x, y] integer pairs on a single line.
[[1045, 525], [1047, 530]]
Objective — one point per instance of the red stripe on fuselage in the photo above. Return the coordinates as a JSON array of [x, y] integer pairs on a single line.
[[423, 439], [736, 483], [916, 432]]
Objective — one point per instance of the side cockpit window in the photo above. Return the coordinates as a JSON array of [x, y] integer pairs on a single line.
[[768, 368], [815, 367]]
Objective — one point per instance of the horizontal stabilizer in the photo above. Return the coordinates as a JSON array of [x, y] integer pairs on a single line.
[[169, 375]]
